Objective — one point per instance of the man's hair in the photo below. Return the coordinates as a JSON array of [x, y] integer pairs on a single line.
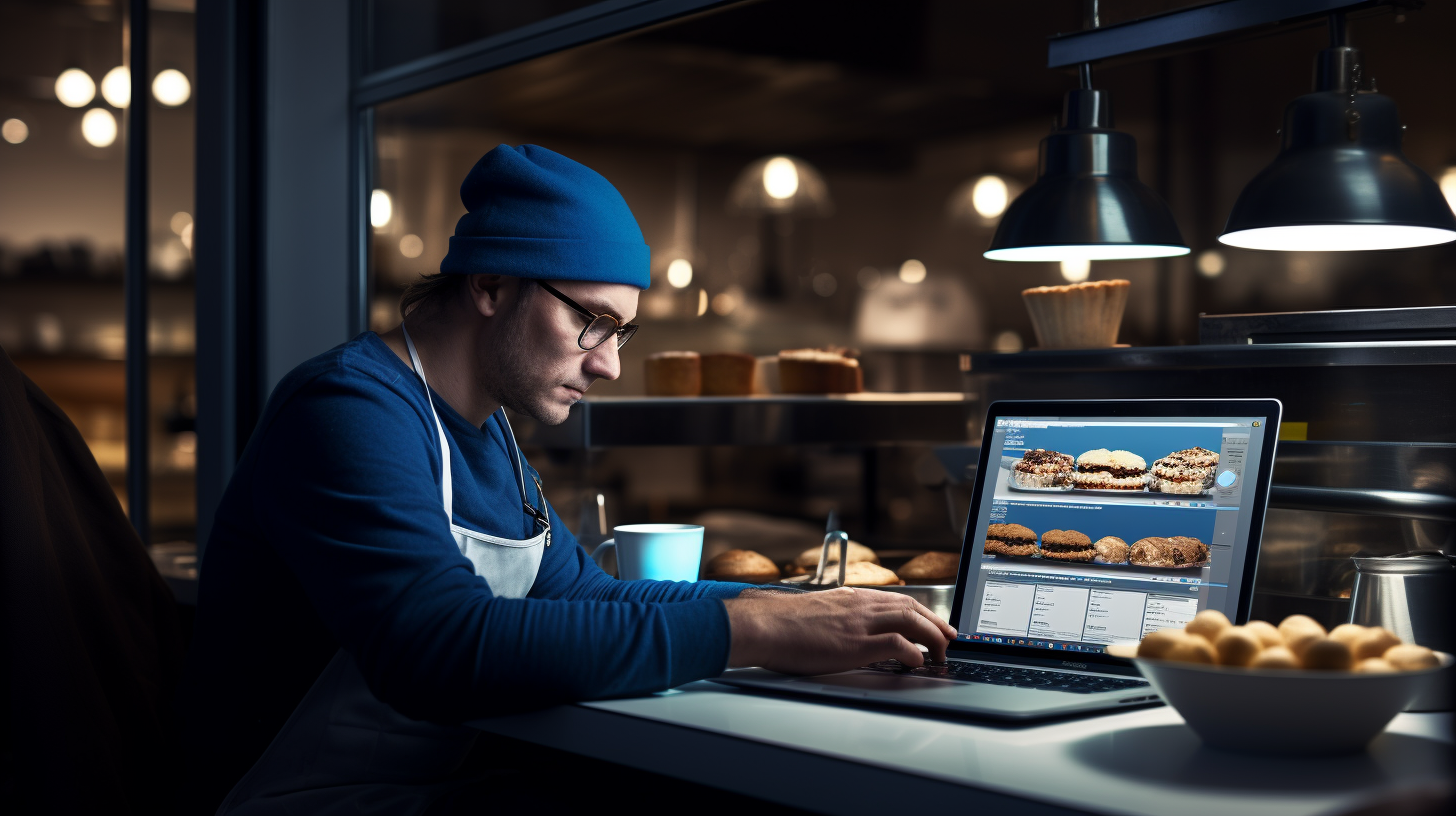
[[440, 287]]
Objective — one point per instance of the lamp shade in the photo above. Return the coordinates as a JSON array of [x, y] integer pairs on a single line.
[[1087, 202], [1340, 181], [780, 185]]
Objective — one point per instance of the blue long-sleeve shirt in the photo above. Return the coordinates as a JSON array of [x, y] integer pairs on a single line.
[[331, 535]]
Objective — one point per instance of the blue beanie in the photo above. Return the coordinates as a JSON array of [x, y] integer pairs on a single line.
[[533, 213]]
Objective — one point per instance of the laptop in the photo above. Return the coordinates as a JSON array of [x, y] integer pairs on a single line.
[[1092, 522]]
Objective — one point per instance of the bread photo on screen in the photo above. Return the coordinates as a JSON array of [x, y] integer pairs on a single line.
[[1010, 539], [1104, 469], [1042, 468], [1067, 545]]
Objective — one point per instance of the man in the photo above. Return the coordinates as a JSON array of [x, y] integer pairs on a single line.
[[384, 567]]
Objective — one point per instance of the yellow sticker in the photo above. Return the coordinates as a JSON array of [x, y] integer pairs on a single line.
[[1294, 432]]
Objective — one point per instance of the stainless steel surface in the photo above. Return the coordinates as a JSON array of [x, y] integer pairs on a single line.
[[1363, 501], [936, 597], [1423, 323], [1412, 595], [857, 419]]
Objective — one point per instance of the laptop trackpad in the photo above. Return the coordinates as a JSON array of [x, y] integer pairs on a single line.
[[875, 682]]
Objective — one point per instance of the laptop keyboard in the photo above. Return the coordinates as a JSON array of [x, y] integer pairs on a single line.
[[1012, 676]]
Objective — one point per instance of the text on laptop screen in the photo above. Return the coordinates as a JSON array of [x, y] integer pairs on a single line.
[[1094, 531]]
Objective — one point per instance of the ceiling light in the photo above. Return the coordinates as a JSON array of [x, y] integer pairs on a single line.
[[1340, 182], [780, 184], [912, 271], [1076, 271], [411, 246], [116, 87], [989, 196], [679, 273], [180, 221], [1448, 187], [381, 209], [1087, 203], [171, 88], [98, 127], [1210, 263], [14, 131], [75, 88]]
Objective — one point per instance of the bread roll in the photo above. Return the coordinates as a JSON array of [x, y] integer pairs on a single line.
[[1237, 646], [1208, 623], [809, 559], [1347, 633], [863, 573], [1375, 665], [1265, 632], [1375, 642], [1192, 649], [1327, 654], [939, 567], [1275, 657], [742, 566], [1159, 643], [1410, 657], [1295, 624], [1302, 640]]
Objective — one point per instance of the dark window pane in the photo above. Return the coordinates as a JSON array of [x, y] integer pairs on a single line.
[[404, 30]]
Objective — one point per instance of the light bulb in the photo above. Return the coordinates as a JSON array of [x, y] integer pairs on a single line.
[[1337, 237], [1076, 271], [780, 178], [990, 196], [98, 127], [679, 273], [1448, 187], [1088, 252], [1210, 263], [14, 131], [381, 209], [116, 87], [912, 271], [171, 88], [75, 88]]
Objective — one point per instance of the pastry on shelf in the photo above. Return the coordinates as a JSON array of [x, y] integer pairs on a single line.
[[674, 374], [728, 374], [819, 371]]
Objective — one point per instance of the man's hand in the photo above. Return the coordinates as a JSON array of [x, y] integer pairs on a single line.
[[833, 630]]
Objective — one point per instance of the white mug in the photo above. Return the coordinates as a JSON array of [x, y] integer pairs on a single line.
[[658, 552]]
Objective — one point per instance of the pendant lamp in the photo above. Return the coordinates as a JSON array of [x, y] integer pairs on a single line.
[[1340, 181], [1087, 203]]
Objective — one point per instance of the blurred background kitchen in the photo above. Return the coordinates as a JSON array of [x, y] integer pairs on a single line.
[[807, 172]]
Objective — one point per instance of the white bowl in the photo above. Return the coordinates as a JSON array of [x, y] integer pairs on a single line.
[[1271, 711]]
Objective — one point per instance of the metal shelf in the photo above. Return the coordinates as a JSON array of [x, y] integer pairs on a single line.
[[1273, 355], [849, 419]]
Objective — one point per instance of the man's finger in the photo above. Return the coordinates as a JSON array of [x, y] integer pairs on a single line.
[[892, 645], [913, 626], [945, 628]]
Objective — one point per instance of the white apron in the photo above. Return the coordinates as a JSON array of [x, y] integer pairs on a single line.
[[343, 750]]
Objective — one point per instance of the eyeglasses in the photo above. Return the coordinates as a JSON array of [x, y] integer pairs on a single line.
[[598, 326]]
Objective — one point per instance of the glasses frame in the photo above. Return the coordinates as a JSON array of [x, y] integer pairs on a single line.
[[623, 332]]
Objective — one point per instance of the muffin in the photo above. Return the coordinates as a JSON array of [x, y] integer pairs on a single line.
[[1067, 545], [819, 371], [743, 566], [931, 568], [1010, 539], [674, 374], [728, 374], [1186, 471], [1111, 550], [1078, 315], [1043, 468], [1102, 469]]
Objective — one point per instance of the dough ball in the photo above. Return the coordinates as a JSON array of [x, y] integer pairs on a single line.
[[1237, 646], [1327, 654], [1192, 649], [1275, 657], [1158, 644], [1410, 657], [1375, 642], [1347, 633], [1302, 640], [1208, 623], [1265, 632], [1294, 624], [1375, 665]]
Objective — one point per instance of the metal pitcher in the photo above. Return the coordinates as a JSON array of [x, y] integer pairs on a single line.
[[1411, 594]]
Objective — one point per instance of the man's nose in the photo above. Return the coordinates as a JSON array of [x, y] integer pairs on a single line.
[[604, 361]]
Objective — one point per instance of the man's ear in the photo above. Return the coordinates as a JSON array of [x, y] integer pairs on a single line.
[[489, 293]]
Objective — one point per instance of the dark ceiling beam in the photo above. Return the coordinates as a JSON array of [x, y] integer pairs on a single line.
[[1196, 27]]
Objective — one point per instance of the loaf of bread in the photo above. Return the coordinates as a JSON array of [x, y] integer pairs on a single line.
[[674, 374], [728, 374], [819, 371]]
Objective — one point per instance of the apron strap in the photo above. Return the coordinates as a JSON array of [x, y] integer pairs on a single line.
[[447, 491]]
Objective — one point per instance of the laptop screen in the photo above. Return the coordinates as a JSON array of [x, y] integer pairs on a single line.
[[1097, 529]]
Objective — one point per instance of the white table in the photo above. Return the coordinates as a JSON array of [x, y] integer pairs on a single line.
[[840, 759]]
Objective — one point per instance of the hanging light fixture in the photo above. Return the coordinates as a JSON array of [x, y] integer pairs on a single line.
[[780, 185], [1340, 181], [1087, 203]]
